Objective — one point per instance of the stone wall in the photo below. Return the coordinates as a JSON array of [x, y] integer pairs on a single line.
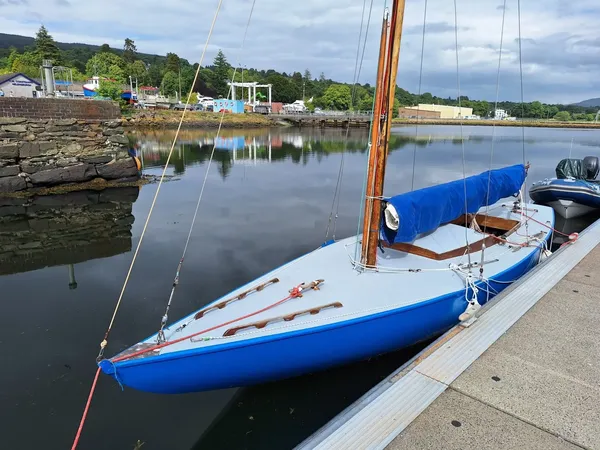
[[58, 108], [47, 152], [53, 230]]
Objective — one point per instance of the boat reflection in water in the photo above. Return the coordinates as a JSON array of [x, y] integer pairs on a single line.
[[64, 229]]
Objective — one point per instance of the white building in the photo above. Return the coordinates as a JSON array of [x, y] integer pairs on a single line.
[[500, 114], [19, 85]]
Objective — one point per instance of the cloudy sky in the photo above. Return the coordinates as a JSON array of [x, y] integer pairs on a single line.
[[561, 41]]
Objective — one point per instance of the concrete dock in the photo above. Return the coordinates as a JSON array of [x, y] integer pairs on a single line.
[[525, 375]]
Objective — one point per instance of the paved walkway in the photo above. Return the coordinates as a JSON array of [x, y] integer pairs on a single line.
[[537, 387]]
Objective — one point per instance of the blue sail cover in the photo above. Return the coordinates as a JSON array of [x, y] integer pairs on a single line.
[[424, 210]]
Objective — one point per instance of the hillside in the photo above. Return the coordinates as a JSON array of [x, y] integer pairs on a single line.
[[74, 51], [589, 103]]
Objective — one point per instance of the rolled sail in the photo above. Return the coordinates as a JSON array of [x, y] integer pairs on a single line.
[[421, 211]]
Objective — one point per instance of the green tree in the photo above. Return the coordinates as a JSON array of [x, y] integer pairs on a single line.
[[45, 46], [337, 96], [105, 48], [109, 89], [101, 63], [138, 70], [116, 73], [129, 51], [173, 63], [563, 116], [220, 74], [481, 108], [536, 109], [27, 63], [284, 89], [170, 84]]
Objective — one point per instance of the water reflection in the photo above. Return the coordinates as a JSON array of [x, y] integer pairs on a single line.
[[66, 229], [269, 194]]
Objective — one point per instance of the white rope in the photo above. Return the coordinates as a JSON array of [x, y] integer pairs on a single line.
[[143, 233], [160, 335]]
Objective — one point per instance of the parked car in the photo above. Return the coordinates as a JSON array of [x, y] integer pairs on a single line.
[[181, 106]]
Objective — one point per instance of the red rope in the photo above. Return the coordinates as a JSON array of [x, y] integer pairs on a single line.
[[295, 292], [85, 411]]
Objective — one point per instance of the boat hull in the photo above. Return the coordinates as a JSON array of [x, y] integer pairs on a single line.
[[294, 353], [569, 198]]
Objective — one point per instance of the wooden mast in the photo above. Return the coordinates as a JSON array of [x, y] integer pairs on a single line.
[[389, 54]]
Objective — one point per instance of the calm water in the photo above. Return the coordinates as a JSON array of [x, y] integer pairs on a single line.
[[63, 260]]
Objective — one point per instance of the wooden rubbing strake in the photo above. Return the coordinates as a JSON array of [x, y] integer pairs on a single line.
[[287, 318], [240, 296]]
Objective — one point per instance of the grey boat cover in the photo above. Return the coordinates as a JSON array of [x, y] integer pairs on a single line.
[[571, 168]]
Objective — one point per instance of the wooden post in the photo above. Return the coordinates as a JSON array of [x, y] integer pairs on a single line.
[[382, 121]]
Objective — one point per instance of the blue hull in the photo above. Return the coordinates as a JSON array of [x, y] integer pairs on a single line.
[[89, 93], [578, 191], [274, 357]]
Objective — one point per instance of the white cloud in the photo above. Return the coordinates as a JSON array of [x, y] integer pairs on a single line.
[[561, 49]]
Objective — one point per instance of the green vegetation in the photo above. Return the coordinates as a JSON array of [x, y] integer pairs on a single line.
[[175, 75]]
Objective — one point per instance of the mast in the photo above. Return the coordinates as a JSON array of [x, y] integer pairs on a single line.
[[389, 54]]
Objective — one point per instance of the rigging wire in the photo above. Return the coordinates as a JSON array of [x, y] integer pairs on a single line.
[[487, 205], [412, 184], [462, 141], [524, 193], [335, 204], [165, 317]]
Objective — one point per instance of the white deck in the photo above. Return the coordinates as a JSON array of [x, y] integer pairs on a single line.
[[360, 293]]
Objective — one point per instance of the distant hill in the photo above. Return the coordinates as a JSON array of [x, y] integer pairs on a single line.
[[590, 103], [81, 50]]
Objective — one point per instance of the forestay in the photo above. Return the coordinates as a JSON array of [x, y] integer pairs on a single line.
[[424, 210]]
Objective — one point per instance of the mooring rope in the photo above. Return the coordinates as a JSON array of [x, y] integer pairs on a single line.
[[104, 342]]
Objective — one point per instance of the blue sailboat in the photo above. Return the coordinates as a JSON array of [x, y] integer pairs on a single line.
[[425, 261]]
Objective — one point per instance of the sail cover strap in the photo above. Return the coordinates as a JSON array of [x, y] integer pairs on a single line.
[[421, 211]]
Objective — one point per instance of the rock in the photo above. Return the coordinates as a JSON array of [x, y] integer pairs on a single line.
[[97, 159], [71, 174], [12, 211], [30, 137], [9, 171], [29, 245], [14, 128], [9, 151], [11, 120], [29, 150], [12, 184], [48, 148], [72, 149], [118, 169], [4, 135], [63, 162], [64, 122], [118, 139], [113, 131], [114, 123]]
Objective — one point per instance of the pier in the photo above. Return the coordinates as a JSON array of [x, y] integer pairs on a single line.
[[526, 374], [343, 120]]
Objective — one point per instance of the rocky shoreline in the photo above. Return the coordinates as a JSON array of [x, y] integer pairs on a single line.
[[170, 119]]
